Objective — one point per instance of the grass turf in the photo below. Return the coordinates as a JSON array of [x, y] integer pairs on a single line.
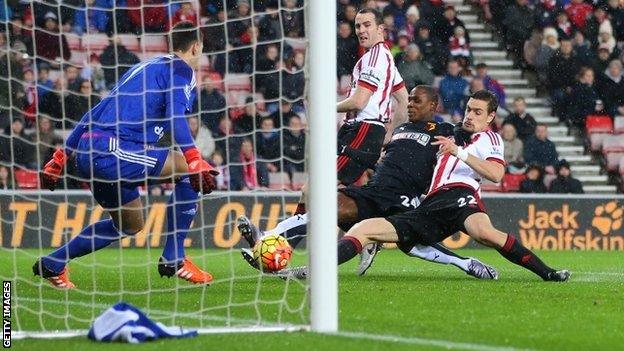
[[422, 305]]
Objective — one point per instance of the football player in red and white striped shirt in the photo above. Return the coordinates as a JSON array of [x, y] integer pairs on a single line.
[[453, 203]]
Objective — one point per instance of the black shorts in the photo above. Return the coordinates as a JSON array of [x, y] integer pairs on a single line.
[[373, 201], [438, 217], [362, 136]]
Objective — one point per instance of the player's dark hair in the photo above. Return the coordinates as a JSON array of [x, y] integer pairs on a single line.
[[487, 96], [183, 35], [430, 91], [375, 12]]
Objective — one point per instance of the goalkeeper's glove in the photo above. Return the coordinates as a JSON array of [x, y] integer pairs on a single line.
[[201, 174], [52, 170]]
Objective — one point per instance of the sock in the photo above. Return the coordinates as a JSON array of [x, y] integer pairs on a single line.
[[520, 255], [439, 254], [181, 209], [296, 234], [348, 247], [301, 209], [288, 223], [92, 238]]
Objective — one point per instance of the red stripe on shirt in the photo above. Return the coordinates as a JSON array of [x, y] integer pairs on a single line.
[[438, 176], [453, 168], [397, 87], [490, 136], [496, 159], [367, 85], [494, 138], [373, 56]]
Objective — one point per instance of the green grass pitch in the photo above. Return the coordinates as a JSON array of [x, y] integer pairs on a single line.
[[401, 303]]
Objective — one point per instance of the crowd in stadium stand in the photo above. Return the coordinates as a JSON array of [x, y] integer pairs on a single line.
[[253, 131]]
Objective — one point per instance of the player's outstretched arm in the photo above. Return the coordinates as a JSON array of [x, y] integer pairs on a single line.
[[357, 101], [490, 170]]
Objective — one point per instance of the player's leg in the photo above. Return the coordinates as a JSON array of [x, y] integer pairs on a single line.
[[181, 209], [480, 228], [364, 233]]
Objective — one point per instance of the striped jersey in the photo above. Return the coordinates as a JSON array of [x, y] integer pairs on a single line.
[[450, 171], [376, 72]]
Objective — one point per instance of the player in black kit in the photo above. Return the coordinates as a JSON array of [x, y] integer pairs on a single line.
[[400, 179]]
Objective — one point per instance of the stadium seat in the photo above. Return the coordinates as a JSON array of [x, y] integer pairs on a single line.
[[27, 179], [73, 41], [237, 81], [614, 160], [618, 124], [154, 42], [130, 41], [621, 168], [298, 44], [511, 182], [598, 124], [612, 143], [94, 42], [488, 186], [298, 180], [596, 139], [279, 180], [148, 55], [79, 58], [236, 98]]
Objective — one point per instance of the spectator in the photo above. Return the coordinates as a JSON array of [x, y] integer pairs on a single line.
[[491, 84], [523, 122], [534, 182], [11, 65], [76, 105], [293, 78], [214, 34], [71, 74], [212, 104], [601, 59], [546, 10], [16, 147], [610, 87], [349, 13], [398, 49], [578, 11], [238, 22], [246, 122], [49, 44], [148, 16], [414, 70], [564, 26], [226, 143], [267, 76], [447, 25], [605, 37], [390, 29], [583, 99], [203, 137], [6, 181], [411, 24], [583, 48], [46, 139], [593, 24], [94, 73], [563, 67], [565, 183], [283, 114], [44, 83], [458, 44], [116, 59], [397, 9], [538, 149], [347, 48], [27, 97], [452, 87], [223, 178], [51, 104], [184, 13], [434, 52], [550, 44], [531, 47], [268, 145], [245, 175], [514, 149], [270, 26], [294, 146], [292, 19], [92, 17], [518, 22], [616, 12], [475, 85]]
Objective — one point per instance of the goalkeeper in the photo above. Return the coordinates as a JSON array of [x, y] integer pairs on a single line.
[[115, 147]]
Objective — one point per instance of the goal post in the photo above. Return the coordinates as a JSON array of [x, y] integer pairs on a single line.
[[322, 192]]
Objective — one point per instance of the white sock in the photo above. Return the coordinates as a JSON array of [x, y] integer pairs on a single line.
[[432, 254], [288, 223]]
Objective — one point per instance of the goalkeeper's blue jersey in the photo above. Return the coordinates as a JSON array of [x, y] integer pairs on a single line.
[[151, 99]]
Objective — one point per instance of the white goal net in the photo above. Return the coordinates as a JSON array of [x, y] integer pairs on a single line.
[[60, 59]]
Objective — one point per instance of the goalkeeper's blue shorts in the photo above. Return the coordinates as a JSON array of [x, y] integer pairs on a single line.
[[115, 167]]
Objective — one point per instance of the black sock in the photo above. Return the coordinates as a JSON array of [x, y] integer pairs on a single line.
[[296, 234], [447, 251], [301, 209], [348, 247], [520, 255]]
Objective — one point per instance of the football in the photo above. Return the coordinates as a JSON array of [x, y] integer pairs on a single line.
[[272, 252]]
